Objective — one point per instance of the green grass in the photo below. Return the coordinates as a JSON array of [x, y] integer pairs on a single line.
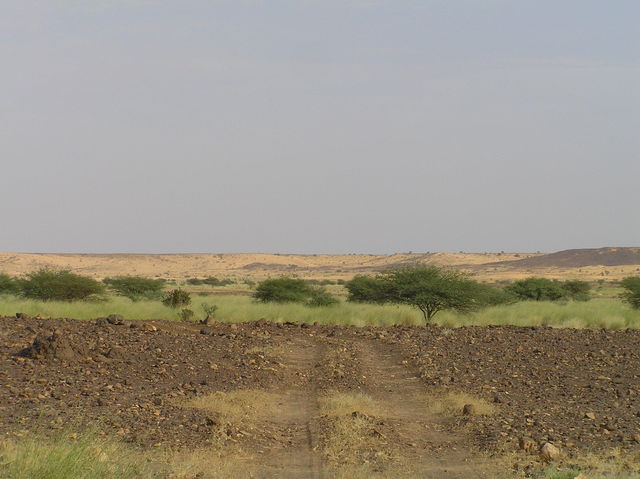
[[86, 457], [598, 313]]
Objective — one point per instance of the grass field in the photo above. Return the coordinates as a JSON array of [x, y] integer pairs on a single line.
[[598, 313]]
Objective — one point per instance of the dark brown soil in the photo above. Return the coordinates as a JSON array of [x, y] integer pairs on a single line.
[[130, 379]]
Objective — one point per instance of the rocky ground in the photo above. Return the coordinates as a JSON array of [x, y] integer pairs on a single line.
[[578, 390]]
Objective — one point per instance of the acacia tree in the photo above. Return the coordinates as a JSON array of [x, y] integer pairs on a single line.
[[431, 289]]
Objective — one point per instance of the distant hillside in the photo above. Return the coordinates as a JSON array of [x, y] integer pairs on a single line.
[[579, 258], [236, 265]]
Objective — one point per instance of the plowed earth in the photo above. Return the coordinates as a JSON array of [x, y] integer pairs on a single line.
[[579, 389]]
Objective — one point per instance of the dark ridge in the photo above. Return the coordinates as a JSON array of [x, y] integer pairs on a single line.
[[578, 258]]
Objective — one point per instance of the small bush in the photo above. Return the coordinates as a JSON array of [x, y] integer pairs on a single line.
[[577, 290], [134, 287], [290, 290], [210, 281], [319, 297], [209, 309], [631, 294], [51, 285], [366, 289], [282, 290], [493, 296], [176, 298], [8, 285], [186, 314], [537, 289]]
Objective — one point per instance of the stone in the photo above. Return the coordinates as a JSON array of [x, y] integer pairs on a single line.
[[102, 322], [469, 410], [549, 452], [527, 445], [115, 319], [22, 316], [148, 327], [206, 331], [590, 415]]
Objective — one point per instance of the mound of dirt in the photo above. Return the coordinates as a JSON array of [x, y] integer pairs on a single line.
[[579, 258], [52, 346]]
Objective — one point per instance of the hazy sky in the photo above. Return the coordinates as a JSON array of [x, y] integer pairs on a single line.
[[319, 126]]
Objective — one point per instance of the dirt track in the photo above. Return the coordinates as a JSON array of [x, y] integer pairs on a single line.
[[132, 381]]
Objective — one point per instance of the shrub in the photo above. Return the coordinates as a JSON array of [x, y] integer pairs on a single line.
[[176, 298], [493, 296], [209, 309], [320, 297], [8, 285], [282, 290], [210, 280], [290, 290], [537, 289], [577, 290], [135, 287], [52, 285], [632, 294], [366, 289], [186, 314]]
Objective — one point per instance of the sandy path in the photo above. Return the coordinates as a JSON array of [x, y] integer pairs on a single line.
[[429, 448], [294, 455]]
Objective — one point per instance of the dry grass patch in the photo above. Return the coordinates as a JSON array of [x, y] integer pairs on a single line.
[[615, 463], [268, 350], [205, 464], [341, 403], [452, 404], [236, 406], [352, 430]]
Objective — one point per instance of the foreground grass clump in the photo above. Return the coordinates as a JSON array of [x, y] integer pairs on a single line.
[[86, 457], [349, 419]]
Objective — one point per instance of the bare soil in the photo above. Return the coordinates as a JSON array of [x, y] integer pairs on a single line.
[[579, 389]]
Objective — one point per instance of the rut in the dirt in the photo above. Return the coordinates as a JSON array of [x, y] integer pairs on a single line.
[[429, 449], [294, 456]]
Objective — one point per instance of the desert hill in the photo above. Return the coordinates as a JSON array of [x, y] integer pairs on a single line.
[[588, 264], [177, 266]]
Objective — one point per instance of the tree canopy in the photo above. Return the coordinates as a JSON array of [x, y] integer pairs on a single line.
[[428, 288]]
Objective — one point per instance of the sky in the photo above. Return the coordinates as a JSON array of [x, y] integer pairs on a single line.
[[353, 126]]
